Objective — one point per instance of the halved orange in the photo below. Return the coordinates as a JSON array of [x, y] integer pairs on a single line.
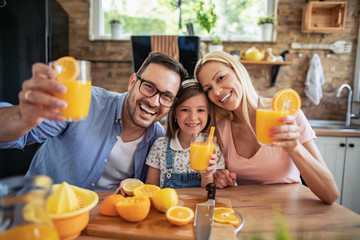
[[134, 209], [131, 185], [108, 205], [225, 215], [67, 68], [146, 190], [284, 95], [180, 215]]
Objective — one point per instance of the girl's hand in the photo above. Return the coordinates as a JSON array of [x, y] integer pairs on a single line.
[[212, 166], [287, 135]]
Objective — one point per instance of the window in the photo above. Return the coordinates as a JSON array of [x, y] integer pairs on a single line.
[[237, 19]]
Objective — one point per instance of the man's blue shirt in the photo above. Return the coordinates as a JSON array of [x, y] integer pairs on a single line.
[[77, 152]]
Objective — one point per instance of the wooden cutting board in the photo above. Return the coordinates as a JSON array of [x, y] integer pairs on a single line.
[[156, 226]]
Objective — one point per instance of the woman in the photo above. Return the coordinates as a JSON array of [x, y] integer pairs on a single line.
[[294, 151]]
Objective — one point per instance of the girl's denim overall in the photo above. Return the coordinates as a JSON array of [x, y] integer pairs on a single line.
[[178, 180]]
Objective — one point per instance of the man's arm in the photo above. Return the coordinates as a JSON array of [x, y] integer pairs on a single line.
[[36, 103], [12, 127]]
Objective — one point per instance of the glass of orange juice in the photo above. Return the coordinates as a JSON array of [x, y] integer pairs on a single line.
[[200, 150], [23, 212], [78, 93], [266, 118]]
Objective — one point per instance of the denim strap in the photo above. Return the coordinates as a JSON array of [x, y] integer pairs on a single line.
[[169, 156]]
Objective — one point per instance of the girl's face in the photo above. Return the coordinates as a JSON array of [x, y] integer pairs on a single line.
[[221, 84], [192, 114]]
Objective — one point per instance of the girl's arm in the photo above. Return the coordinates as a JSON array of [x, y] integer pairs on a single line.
[[307, 159], [208, 176], [153, 176]]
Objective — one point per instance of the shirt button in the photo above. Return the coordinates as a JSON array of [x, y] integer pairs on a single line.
[[93, 184], [105, 160]]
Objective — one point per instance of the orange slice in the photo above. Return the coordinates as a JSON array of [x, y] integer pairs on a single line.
[[67, 69], [225, 215], [131, 185], [134, 209], [287, 94], [146, 190], [179, 215], [108, 206]]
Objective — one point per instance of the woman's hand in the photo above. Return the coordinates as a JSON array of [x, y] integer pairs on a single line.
[[223, 178], [287, 135]]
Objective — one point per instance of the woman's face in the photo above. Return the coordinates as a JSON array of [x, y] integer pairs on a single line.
[[221, 84]]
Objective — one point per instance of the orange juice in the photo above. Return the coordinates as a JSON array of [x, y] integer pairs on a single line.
[[78, 97], [200, 155], [266, 119], [30, 232]]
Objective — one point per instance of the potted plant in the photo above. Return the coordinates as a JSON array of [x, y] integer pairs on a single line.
[[216, 44], [266, 27], [116, 28], [207, 18]]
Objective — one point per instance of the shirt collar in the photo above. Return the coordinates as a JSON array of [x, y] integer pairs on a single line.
[[175, 143], [120, 106]]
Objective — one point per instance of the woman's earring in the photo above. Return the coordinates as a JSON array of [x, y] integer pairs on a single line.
[[175, 120]]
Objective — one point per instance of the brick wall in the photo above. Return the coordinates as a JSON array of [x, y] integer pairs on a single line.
[[111, 60]]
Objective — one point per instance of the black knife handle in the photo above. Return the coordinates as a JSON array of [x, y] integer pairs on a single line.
[[211, 188]]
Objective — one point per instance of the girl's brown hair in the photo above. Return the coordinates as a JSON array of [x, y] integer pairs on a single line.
[[189, 88]]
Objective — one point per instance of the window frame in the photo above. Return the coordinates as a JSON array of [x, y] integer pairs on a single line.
[[96, 32]]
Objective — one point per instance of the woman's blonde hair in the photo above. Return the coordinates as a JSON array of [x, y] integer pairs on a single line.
[[250, 96]]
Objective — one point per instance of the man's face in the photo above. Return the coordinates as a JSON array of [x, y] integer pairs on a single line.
[[143, 110]]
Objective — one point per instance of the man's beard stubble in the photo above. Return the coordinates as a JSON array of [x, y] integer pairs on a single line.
[[131, 106]]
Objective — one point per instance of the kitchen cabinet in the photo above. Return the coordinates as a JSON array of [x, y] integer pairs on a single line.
[[324, 17], [341, 155]]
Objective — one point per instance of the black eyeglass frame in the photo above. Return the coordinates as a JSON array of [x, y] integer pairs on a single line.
[[157, 91]]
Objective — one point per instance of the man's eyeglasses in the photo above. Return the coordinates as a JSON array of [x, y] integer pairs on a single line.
[[148, 89]]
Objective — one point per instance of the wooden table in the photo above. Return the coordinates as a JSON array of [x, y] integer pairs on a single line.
[[293, 206]]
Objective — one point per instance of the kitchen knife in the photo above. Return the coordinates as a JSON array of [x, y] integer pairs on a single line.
[[204, 214]]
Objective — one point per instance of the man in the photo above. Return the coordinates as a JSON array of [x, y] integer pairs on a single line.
[[111, 144]]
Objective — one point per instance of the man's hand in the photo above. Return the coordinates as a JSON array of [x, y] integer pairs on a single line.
[[36, 97]]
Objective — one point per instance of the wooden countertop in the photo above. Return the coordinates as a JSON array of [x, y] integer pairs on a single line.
[[336, 133], [306, 217]]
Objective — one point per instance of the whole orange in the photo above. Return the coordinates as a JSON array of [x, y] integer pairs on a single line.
[[164, 199], [134, 209], [107, 207]]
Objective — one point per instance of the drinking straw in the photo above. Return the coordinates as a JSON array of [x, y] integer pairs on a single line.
[[212, 130]]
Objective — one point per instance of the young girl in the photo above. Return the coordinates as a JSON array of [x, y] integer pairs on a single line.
[[169, 157]]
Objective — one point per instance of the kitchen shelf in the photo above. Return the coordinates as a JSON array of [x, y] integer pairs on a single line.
[[246, 62], [274, 70], [324, 17]]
